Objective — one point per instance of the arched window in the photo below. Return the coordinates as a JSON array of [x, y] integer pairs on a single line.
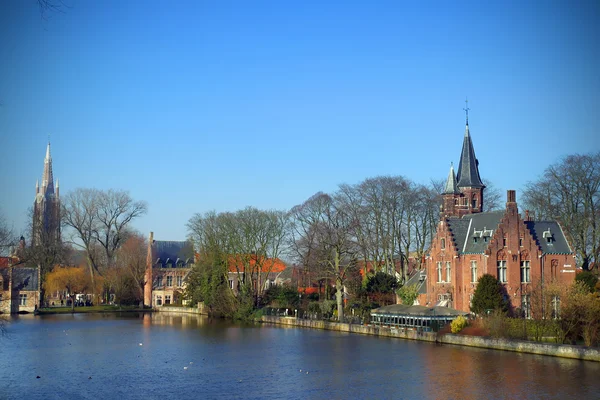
[[474, 201], [443, 243]]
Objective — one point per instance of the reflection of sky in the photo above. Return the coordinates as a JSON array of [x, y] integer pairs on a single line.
[[260, 361]]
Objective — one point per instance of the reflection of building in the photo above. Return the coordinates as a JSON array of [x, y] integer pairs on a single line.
[[167, 266], [468, 243], [19, 287], [46, 208]]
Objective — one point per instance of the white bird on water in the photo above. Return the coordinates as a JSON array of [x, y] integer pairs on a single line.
[[185, 367], [141, 344]]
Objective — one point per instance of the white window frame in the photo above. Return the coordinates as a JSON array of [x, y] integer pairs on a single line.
[[169, 281], [501, 268], [448, 271], [179, 280], [473, 271], [167, 299], [439, 272], [525, 271], [22, 299]]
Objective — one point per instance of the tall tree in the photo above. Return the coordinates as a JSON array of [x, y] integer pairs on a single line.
[[98, 222], [330, 242], [131, 260], [249, 240], [570, 191]]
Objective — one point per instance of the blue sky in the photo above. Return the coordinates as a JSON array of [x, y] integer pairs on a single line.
[[198, 106]]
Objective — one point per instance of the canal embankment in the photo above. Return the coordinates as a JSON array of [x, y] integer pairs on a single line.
[[519, 346]]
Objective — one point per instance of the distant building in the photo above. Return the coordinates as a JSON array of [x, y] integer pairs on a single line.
[[167, 266], [258, 271], [46, 207], [468, 243], [19, 287]]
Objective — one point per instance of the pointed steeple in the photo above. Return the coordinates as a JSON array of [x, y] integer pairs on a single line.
[[47, 178], [37, 186], [451, 184], [468, 166]]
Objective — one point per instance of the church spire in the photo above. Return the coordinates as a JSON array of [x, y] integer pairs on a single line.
[[468, 166], [47, 178], [451, 184]]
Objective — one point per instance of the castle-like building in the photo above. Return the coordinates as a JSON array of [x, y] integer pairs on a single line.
[[468, 243]]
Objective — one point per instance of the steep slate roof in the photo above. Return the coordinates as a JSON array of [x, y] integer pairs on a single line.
[[173, 250], [451, 184], [558, 243], [484, 225], [481, 224], [25, 278], [468, 169]]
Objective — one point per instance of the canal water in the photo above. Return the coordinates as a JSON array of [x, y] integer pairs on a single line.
[[167, 356]]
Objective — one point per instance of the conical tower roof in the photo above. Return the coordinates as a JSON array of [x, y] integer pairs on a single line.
[[468, 166], [451, 184], [47, 177]]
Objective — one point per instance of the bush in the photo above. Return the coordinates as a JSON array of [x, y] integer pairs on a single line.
[[458, 324], [488, 296]]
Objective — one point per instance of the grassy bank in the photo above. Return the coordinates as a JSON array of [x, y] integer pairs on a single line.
[[93, 309]]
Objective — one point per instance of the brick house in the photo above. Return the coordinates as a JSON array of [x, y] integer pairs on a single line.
[[167, 266], [468, 243]]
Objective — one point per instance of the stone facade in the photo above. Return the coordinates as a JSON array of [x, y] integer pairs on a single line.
[[469, 243]]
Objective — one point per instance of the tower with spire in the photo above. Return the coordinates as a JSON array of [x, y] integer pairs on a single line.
[[463, 192], [46, 207]]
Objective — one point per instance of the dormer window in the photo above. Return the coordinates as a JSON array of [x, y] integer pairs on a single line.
[[548, 236]]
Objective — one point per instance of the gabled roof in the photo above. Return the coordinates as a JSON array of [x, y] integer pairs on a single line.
[[468, 166], [480, 225], [172, 250], [549, 236]]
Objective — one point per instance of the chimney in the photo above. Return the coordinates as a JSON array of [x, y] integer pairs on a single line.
[[511, 201], [527, 217], [511, 196]]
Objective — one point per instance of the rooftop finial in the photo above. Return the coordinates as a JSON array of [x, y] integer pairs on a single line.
[[467, 109]]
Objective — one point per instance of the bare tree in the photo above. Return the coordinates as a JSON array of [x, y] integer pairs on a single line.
[[131, 258], [570, 192], [98, 222], [323, 232], [115, 209], [492, 200], [7, 238]]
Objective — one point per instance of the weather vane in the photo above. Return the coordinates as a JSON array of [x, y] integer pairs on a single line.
[[467, 109]]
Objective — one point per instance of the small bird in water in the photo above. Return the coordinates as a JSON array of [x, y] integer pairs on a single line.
[[185, 367], [90, 377], [38, 377], [141, 344]]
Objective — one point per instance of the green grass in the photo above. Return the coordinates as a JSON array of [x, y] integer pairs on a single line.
[[94, 309]]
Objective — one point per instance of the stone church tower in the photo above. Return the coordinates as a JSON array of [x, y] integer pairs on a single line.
[[46, 207]]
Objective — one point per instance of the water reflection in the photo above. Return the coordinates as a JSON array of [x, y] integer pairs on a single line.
[[226, 360]]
